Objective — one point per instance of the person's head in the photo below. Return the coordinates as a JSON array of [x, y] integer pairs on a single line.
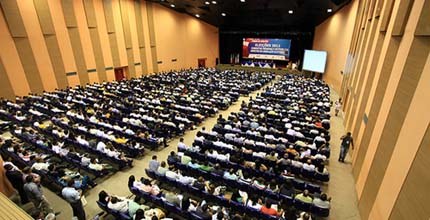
[[268, 204], [140, 214], [114, 200], [131, 180], [51, 167], [103, 196], [29, 179], [205, 207], [306, 192], [8, 167], [172, 153], [180, 140], [200, 179], [93, 160], [70, 183], [323, 197], [154, 157], [306, 216], [163, 164], [219, 215], [348, 134], [147, 182], [26, 170]]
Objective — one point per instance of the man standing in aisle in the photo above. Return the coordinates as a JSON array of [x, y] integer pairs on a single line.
[[344, 147], [73, 196], [35, 195]]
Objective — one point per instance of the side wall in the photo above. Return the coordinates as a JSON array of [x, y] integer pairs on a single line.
[[49, 44], [334, 36], [188, 40], [385, 91]]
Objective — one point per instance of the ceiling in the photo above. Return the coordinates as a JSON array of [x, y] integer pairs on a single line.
[[258, 14]]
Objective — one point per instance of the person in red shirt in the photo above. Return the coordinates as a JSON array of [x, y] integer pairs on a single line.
[[268, 210]]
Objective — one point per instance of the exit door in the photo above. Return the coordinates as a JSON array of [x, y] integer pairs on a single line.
[[201, 62], [120, 73]]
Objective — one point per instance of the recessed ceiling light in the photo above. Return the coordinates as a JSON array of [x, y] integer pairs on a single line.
[[214, 2], [329, 10], [172, 5], [197, 15], [290, 11], [207, 3], [223, 14], [242, 0]]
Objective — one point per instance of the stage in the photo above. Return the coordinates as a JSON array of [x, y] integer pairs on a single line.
[[240, 67]]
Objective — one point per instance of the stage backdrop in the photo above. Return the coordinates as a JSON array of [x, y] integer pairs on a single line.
[[231, 41], [266, 48]]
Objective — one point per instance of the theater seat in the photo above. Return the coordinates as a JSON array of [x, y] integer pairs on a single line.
[[304, 206], [320, 212]]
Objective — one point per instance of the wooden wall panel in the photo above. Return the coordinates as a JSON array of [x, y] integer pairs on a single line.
[[98, 54], [51, 42], [95, 39], [356, 73], [423, 26], [11, 60], [13, 18], [107, 7], [110, 26], [56, 60], [385, 74], [90, 13], [388, 10], [124, 7], [363, 78], [402, 17], [413, 199], [17, 30], [75, 40], [152, 41], [369, 81], [410, 76], [29, 64], [6, 90], [38, 46], [44, 15], [69, 13], [140, 37]]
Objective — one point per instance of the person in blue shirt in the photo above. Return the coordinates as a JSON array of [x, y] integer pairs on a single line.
[[154, 164], [73, 197]]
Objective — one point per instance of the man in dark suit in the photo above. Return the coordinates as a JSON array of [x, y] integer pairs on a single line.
[[15, 177]]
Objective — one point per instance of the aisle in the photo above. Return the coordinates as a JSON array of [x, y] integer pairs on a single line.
[[341, 188]]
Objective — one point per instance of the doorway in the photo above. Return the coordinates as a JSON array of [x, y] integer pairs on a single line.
[[120, 73], [201, 62]]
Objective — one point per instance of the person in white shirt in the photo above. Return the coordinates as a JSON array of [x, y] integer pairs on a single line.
[[308, 166], [129, 131], [82, 141], [101, 146], [40, 164], [291, 132], [181, 144], [172, 175]]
